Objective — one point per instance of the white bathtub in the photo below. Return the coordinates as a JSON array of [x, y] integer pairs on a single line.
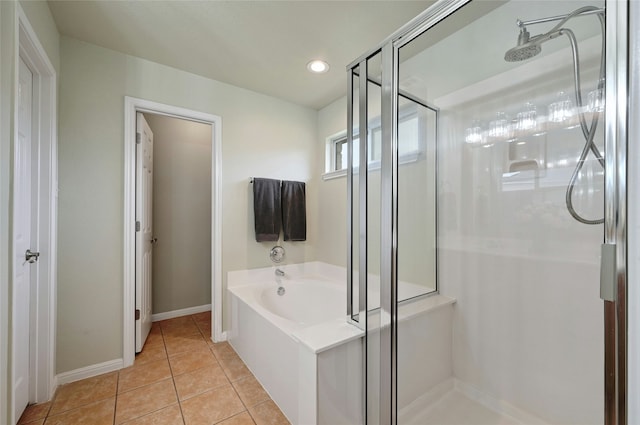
[[282, 337], [305, 354], [305, 302]]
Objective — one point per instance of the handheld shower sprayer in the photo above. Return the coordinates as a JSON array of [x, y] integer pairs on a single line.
[[528, 47]]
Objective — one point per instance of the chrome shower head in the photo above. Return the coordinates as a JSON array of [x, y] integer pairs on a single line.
[[525, 48], [522, 53]]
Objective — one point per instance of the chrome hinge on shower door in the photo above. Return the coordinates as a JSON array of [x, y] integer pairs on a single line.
[[608, 272]]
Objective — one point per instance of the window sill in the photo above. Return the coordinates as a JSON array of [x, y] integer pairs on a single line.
[[334, 174]]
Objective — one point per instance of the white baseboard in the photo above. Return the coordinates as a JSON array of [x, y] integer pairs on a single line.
[[182, 312], [88, 371]]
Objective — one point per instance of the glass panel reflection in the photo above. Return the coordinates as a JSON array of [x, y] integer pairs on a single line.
[[416, 198], [520, 198]]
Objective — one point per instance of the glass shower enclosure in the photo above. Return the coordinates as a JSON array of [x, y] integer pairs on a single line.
[[487, 232]]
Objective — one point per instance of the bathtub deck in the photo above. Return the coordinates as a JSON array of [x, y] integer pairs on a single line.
[[455, 408]]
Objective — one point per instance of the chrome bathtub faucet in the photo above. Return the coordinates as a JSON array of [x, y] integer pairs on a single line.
[[279, 274]]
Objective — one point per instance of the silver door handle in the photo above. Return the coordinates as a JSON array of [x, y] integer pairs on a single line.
[[154, 240], [31, 256]]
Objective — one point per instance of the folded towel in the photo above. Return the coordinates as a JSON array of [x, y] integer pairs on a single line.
[[267, 209], [294, 215]]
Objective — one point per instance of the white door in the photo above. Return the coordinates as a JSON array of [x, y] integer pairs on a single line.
[[22, 243], [144, 230]]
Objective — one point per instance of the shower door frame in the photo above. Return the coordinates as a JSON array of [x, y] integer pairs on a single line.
[[615, 226], [616, 145]]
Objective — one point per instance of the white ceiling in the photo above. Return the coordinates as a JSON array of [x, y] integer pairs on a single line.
[[259, 45]]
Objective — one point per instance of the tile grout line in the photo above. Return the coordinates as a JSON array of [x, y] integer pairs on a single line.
[[115, 405], [175, 388], [238, 414], [219, 353], [246, 408], [172, 381]]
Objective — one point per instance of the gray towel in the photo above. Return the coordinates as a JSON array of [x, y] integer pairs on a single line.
[[294, 213], [267, 209]]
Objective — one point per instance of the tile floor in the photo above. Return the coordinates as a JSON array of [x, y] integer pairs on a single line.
[[180, 378]]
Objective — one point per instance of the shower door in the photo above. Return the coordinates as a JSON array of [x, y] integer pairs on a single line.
[[481, 210]]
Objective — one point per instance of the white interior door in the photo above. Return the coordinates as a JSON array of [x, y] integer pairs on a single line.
[[22, 243], [144, 229]]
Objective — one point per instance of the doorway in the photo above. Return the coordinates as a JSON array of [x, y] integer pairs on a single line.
[[33, 227], [133, 107]]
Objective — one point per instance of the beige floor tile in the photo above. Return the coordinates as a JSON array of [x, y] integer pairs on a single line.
[[144, 400], [154, 339], [203, 324], [211, 407], [205, 330], [187, 333], [36, 422], [168, 416], [190, 329], [178, 325], [205, 316], [243, 418], [83, 392], [180, 344], [34, 412], [268, 413], [200, 381], [234, 368], [98, 413], [150, 353], [223, 350], [250, 391], [176, 321], [144, 374], [191, 360]]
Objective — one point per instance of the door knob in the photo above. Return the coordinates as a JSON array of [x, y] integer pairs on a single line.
[[31, 256], [154, 240]]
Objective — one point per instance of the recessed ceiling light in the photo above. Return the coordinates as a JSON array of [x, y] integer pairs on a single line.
[[318, 66]]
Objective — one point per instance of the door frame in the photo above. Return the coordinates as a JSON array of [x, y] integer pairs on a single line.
[[133, 105], [42, 380]]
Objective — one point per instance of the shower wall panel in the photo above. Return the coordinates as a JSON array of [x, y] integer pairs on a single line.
[[528, 322]]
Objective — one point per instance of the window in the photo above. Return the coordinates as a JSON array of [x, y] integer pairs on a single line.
[[337, 155], [341, 154], [409, 131]]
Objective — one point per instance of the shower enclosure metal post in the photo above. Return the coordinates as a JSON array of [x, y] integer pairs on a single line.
[[633, 214], [363, 137], [363, 271], [350, 241], [615, 230], [389, 239]]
